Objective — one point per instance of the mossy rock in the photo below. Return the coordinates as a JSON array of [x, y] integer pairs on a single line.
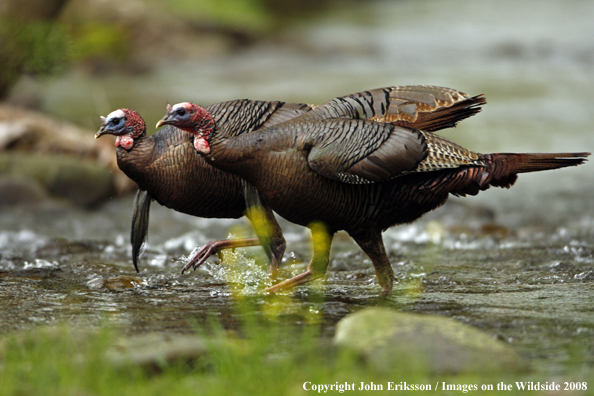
[[155, 351], [14, 191], [389, 340], [84, 182]]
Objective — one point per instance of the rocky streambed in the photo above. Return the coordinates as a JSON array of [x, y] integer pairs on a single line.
[[527, 287]]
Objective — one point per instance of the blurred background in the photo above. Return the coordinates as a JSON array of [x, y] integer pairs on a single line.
[[73, 60], [77, 59]]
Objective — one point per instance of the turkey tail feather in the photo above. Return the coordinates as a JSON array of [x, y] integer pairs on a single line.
[[500, 170], [503, 168], [523, 163], [140, 223]]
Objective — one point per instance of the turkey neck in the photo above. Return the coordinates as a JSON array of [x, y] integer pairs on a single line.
[[134, 162], [243, 155], [167, 166]]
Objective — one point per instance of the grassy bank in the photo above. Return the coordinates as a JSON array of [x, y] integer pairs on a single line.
[[260, 356]]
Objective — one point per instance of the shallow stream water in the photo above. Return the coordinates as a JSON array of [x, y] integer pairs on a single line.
[[518, 263]]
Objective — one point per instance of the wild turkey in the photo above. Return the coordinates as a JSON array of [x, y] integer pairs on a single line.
[[168, 169], [361, 163]]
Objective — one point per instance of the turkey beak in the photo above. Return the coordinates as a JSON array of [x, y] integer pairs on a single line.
[[164, 121], [166, 118], [107, 129], [102, 131]]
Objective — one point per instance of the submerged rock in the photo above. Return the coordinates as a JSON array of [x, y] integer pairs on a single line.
[[390, 340]]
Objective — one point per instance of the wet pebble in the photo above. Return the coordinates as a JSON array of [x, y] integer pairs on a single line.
[[115, 282]]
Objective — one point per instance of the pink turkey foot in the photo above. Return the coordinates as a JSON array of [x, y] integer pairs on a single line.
[[300, 279], [212, 247]]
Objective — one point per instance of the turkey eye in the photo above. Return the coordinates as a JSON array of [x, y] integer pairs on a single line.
[[116, 121], [181, 112]]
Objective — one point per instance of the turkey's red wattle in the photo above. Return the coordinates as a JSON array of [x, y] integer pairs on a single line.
[[201, 145], [125, 141], [204, 124]]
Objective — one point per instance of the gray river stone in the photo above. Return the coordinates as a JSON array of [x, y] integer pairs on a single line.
[[155, 351], [389, 340]]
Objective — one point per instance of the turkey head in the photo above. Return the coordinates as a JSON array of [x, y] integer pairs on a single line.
[[125, 124], [193, 119]]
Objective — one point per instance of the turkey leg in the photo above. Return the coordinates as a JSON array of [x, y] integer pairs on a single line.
[[373, 245], [322, 241]]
